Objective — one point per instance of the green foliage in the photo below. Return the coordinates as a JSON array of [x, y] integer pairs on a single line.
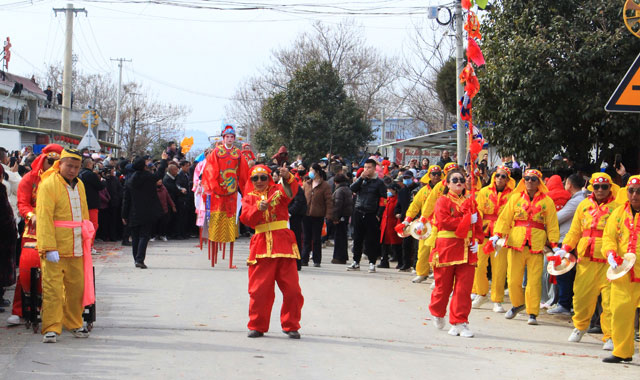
[[551, 67], [446, 85], [313, 116]]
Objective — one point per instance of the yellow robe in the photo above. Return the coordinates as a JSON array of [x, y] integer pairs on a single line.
[[419, 206]]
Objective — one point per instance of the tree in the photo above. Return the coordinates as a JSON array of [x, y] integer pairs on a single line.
[[551, 66], [446, 85], [313, 116]]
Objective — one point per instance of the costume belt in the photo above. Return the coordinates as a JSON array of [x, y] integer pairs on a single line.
[[450, 235], [492, 217], [592, 233], [88, 232], [528, 223], [273, 226]]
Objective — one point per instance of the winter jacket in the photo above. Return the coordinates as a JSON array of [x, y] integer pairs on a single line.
[[342, 202], [319, 199], [165, 199], [369, 191], [141, 204], [404, 200], [298, 206], [92, 186]]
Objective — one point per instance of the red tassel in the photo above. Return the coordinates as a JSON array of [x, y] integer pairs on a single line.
[[474, 53], [466, 4], [463, 228], [487, 248], [555, 259]]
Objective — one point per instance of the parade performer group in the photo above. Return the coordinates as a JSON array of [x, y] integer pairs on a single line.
[[272, 252], [64, 234]]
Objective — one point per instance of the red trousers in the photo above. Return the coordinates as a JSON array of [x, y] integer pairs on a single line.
[[29, 258], [262, 279], [93, 217], [445, 277]]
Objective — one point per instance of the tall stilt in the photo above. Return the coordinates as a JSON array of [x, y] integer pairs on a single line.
[[200, 233], [224, 246], [231, 266]]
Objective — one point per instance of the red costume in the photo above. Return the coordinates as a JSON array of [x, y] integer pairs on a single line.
[[452, 260], [272, 254], [27, 190], [225, 173], [388, 234], [247, 153]]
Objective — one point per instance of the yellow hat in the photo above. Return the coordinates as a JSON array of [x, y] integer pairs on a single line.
[[432, 169], [603, 178], [448, 167], [531, 173], [634, 181], [66, 153], [511, 183]]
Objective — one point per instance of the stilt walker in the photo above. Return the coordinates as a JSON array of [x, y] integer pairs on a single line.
[[224, 173]]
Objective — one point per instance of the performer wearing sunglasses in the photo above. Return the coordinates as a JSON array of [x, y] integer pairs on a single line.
[[419, 206], [225, 173], [585, 235], [29, 258], [621, 237], [272, 252], [454, 256], [491, 201], [530, 219]]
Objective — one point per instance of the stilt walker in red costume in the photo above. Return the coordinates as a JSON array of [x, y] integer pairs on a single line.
[[273, 251], [225, 173], [29, 257], [455, 255]]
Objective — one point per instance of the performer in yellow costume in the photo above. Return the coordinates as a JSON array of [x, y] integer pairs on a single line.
[[418, 206], [585, 235], [620, 238], [491, 201], [61, 198], [530, 219]]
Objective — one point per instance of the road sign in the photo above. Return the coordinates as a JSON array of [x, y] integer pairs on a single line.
[[626, 98], [90, 118]]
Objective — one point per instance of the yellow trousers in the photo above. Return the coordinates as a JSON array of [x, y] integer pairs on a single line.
[[422, 265], [517, 263], [625, 297], [591, 281], [62, 289], [498, 274]]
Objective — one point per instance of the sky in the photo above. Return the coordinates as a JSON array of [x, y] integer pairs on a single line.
[[194, 57]]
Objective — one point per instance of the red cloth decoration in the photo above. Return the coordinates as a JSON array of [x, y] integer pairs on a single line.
[[465, 112], [472, 26], [465, 225], [487, 248], [476, 146], [557, 260], [466, 4], [474, 53]]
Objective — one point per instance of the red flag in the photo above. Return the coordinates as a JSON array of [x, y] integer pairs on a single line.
[[474, 53]]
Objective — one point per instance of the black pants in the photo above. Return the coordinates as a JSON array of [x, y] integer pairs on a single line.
[[330, 232], [341, 247], [366, 234], [390, 250], [565, 288], [182, 225], [139, 240], [295, 223], [162, 225], [312, 227], [407, 253]]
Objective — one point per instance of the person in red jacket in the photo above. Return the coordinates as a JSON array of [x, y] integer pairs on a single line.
[[272, 252], [455, 255], [167, 204], [388, 235], [29, 258]]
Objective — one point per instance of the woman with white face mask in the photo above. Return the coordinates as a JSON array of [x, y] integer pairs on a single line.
[[319, 206]]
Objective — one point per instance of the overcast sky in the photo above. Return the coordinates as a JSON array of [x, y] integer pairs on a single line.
[[208, 52]]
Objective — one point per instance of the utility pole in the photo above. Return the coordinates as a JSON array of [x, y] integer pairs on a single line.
[[461, 141], [118, 139], [69, 12], [383, 130]]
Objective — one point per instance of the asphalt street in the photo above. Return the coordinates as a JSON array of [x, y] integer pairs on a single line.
[[182, 319]]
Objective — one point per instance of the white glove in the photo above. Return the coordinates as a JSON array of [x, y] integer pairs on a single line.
[[612, 261], [474, 247], [53, 256], [494, 239], [474, 218], [559, 252]]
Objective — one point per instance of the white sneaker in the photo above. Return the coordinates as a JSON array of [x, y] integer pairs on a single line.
[[431, 276], [576, 335], [533, 321], [438, 322], [81, 332], [463, 330], [433, 285], [608, 345], [497, 308], [163, 238], [473, 296], [14, 320], [49, 337], [152, 239], [418, 279], [354, 266], [479, 301], [93, 251], [372, 268]]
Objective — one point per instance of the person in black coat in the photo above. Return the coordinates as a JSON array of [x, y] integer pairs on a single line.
[[92, 186], [182, 205], [297, 211], [110, 218], [170, 182], [404, 200], [8, 237], [141, 206]]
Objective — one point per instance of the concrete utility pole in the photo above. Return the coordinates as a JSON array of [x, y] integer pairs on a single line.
[[69, 12], [118, 139], [383, 131], [461, 140]]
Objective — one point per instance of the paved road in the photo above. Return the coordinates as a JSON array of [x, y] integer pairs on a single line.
[[181, 319]]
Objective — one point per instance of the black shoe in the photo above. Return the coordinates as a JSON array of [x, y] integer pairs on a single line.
[[317, 265], [404, 269], [513, 312], [141, 266], [292, 334], [126, 243], [304, 264], [4, 303], [338, 261], [254, 334], [1, 310], [595, 330], [637, 337], [615, 359], [383, 264]]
